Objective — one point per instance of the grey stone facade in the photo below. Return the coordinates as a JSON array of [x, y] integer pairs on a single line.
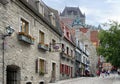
[[22, 55], [73, 17]]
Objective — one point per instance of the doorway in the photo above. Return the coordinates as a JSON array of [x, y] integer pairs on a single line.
[[53, 72], [13, 74]]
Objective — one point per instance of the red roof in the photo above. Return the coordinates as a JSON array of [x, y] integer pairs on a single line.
[[84, 30]]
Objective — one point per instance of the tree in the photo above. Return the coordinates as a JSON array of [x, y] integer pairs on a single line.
[[110, 43]]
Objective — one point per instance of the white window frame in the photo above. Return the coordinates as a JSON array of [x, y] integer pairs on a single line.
[[38, 65], [21, 17], [39, 35]]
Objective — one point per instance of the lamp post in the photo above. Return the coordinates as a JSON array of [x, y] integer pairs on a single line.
[[9, 32]]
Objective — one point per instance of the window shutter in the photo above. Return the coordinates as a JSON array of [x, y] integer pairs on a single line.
[[60, 68], [45, 66], [37, 65], [71, 71], [67, 69], [63, 69]]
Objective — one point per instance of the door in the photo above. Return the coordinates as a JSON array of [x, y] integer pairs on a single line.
[[13, 74], [53, 72]]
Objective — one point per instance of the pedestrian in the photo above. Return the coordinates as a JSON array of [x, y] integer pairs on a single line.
[[98, 72], [108, 72], [118, 70]]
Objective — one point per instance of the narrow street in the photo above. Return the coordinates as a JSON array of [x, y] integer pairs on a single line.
[[113, 79]]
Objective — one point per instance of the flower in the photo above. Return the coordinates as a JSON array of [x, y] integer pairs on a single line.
[[41, 73], [27, 35]]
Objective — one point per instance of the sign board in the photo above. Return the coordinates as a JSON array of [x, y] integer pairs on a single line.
[[57, 47]]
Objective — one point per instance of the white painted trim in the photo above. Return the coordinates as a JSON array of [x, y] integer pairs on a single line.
[[39, 35], [52, 61], [42, 58]]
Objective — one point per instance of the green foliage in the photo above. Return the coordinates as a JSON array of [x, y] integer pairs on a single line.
[[41, 73], [110, 43]]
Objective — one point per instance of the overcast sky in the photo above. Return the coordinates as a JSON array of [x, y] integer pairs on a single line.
[[97, 11]]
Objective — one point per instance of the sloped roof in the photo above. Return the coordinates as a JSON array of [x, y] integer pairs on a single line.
[[31, 4], [72, 10], [77, 21]]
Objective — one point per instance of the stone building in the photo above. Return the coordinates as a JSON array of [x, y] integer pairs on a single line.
[[67, 60], [70, 13], [41, 49], [28, 56], [85, 35]]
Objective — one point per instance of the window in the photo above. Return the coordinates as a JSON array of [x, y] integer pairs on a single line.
[[53, 43], [13, 74], [83, 59], [41, 83], [72, 53], [41, 9], [63, 48], [52, 18], [78, 43], [24, 26], [67, 50], [53, 21], [28, 83], [41, 37], [41, 66], [62, 68]]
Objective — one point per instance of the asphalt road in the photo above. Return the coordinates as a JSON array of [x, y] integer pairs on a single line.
[[113, 79]]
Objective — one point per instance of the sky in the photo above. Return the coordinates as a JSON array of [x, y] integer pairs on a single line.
[[96, 11]]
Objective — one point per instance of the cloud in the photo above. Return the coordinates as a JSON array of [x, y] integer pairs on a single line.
[[112, 1], [97, 11]]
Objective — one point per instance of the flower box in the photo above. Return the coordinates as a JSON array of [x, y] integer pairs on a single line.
[[43, 46], [25, 37]]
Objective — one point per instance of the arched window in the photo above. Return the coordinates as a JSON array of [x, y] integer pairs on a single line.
[[41, 83], [13, 74], [28, 83]]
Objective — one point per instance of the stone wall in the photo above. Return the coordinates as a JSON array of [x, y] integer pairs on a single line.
[[22, 54]]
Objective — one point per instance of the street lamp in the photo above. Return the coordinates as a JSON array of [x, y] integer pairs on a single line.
[[9, 32]]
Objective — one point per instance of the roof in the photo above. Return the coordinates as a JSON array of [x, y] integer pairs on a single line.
[[77, 21], [31, 4], [72, 11]]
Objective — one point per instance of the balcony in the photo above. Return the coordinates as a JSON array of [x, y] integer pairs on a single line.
[[43, 46], [22, 36]]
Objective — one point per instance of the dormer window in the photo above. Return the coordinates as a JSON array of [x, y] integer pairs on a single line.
[[40, 7], [52, 18]]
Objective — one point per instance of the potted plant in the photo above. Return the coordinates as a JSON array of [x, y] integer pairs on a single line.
[[41, 73], [26, 37]]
